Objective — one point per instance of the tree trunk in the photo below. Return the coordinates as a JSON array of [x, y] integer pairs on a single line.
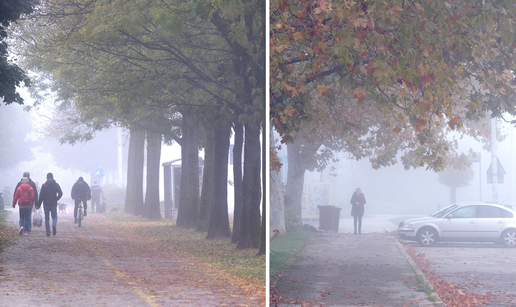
[[237, 178], [219, 220], [298, 153], [277, 209], [152, 204], [294, 187], [135, 159], [263, 234], [207, 181], [251, 189], [188, 210]]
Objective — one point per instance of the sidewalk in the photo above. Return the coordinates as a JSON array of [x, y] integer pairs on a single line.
[[343, 269], [375, 224]]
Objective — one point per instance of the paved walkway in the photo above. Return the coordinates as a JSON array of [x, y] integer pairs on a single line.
[[374, 224], [343, 269]]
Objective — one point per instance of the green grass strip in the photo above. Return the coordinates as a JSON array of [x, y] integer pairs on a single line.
[[284, 250]]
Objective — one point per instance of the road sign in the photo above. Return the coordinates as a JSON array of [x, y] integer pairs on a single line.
[[100, 172], [500, 172]]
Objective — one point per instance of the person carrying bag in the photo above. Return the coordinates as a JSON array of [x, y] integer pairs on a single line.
[[37, 220]]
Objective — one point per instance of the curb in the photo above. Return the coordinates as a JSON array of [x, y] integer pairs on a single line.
[[418, 272]]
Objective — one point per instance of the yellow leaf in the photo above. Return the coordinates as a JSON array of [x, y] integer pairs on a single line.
[[289, 111], [403, 92], [323, 46], [298, 36], [448, 111], [359, 94]]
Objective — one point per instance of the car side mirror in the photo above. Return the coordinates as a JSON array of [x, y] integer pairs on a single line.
[[449, 216]]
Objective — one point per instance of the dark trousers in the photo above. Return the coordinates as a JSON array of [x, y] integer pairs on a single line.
[[50, 211], [357, 218], [95, 203], [77, 203]]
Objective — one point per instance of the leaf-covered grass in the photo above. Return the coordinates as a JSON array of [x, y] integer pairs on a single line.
[[220, 253], [284, 250], [7, 234], [3, 216]]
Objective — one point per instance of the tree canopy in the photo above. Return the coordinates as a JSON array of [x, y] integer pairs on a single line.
[[11, 75], [421, 68]]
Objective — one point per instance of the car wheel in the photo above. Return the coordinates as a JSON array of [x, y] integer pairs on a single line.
[[508, 238], [427, 236]]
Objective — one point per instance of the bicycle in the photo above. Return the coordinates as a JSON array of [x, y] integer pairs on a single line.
[[80, 215]]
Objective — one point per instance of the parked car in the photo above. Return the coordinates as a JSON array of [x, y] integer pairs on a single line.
[[463, 222]]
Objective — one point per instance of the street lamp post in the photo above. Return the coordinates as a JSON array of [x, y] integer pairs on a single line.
[[494, 158], [478, 158]]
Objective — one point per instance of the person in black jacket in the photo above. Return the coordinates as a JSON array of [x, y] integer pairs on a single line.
[[357, 210], [49, 195], [35, 188], [80, 192]]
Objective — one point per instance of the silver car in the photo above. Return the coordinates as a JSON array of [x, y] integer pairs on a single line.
[[463, 222]]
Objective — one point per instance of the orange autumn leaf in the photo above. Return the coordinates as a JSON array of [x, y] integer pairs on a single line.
[[359, 94]]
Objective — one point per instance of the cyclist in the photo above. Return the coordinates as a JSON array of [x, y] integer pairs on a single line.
[[80, 192]]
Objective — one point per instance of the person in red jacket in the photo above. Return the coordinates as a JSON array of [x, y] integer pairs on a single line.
[[24, 195], [35, 188]]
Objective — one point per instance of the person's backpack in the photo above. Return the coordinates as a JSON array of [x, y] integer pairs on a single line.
[[25, 196]]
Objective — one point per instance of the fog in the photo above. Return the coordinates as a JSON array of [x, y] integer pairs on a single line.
[[65, 161], [395, 191], [68, 162]]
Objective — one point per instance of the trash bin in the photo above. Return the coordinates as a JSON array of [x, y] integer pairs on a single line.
[[336, 219], [329, 217]]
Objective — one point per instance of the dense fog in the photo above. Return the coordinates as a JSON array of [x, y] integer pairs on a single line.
[[65, 161], [396, 191], [28, 132]]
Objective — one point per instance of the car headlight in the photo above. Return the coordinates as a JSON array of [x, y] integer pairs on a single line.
[[407, 227]]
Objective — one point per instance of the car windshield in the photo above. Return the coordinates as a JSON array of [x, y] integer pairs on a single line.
[[443, 212]]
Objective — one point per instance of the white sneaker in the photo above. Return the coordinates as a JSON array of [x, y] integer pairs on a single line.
[[21, 231]]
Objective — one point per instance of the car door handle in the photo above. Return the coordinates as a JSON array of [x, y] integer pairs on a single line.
[[472, 222], [500, 222]]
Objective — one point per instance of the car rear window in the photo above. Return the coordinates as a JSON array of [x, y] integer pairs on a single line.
[[507, 214], [493, 212]]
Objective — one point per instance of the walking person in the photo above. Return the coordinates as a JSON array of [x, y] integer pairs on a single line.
[[96, 192], [24, 195], [35, 188], [49, 195], [80, 192], [357, 209]]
